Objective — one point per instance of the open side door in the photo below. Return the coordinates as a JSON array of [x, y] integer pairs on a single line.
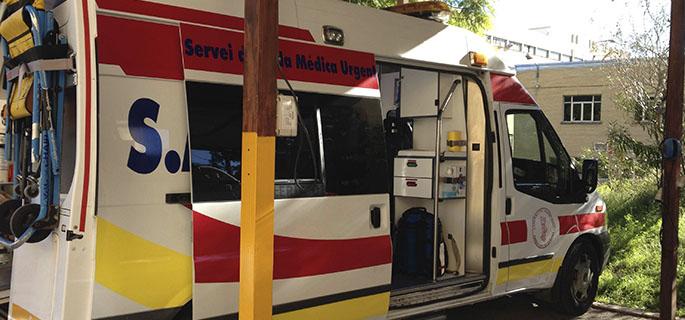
[[332, 255]]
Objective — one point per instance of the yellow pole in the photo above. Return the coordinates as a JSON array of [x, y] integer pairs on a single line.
[[258, 164]]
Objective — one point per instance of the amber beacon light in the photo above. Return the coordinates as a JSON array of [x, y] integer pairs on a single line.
[[478, 59]]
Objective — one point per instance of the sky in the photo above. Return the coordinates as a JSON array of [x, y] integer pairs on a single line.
[[592, 19]]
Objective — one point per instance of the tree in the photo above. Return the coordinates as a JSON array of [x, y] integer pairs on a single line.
[[474, 15], [637, 70]]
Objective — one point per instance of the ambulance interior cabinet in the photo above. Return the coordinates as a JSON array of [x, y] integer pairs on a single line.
[[418, 93], [413, 175]]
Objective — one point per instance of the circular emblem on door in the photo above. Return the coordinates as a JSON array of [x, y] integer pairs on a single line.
[[544, 228]]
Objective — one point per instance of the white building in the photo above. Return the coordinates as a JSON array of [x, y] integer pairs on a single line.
[[542, 45]]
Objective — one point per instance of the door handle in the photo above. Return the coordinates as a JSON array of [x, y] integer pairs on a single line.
[[177, 198], [507, 207], [376, 217]]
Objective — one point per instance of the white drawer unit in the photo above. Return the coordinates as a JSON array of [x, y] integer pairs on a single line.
[[413, 187], [414, 167]]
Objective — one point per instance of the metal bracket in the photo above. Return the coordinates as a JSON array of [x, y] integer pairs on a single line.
[[71, 235]]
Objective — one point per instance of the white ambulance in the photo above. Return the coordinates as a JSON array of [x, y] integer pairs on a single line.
[[124, 118]]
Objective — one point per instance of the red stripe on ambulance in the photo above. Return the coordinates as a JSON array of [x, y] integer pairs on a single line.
[[580, 222], [568, 224], [508, 89], [514, 232], [590, 221], [216, 248], [195, 16], [87, 135], [127, 44], [216, 50], [140, 48]]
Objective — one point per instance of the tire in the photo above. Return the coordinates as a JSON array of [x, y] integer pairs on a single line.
[[23, 218], [576, 286], [7, 208]]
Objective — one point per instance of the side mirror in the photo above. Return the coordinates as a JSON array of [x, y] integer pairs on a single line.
[[590, 172]]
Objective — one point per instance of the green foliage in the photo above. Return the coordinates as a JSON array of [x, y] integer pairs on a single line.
[[638, 75], [472, 15], [618, 166], [632, 275]]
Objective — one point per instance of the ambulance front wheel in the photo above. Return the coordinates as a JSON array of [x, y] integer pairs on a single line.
[[576, 286]]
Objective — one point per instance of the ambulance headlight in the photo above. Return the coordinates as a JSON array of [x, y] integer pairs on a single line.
[[333, 35]]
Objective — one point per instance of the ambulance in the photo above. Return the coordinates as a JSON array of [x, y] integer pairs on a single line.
[[414, 173]]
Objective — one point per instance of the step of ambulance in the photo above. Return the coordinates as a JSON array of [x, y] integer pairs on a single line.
[[436, 291]]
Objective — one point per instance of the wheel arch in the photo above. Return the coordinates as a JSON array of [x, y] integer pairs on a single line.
[[594, 241], [590, 238]]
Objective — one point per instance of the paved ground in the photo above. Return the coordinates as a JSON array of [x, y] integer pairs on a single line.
[[523, 307]]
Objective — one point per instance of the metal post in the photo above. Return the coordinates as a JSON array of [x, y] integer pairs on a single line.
[[671, 167], [258, 160], [436, 189], [436, 173]]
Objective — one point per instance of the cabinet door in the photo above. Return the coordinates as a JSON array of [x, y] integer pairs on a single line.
[[419, 93]]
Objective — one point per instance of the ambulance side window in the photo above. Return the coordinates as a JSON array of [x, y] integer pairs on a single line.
[[215, 122], [348, 129], [540, 165], [354, 146]]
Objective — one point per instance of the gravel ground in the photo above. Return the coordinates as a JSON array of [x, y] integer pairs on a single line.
[[524, 307]]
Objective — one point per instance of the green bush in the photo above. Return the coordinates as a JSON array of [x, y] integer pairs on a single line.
[[634, 217]]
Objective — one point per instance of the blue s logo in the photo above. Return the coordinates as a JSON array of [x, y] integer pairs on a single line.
[[148, 161]]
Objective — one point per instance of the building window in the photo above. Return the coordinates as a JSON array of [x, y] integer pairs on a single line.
[[542, 53], [555, 55], [582, 108], [499, 42]]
